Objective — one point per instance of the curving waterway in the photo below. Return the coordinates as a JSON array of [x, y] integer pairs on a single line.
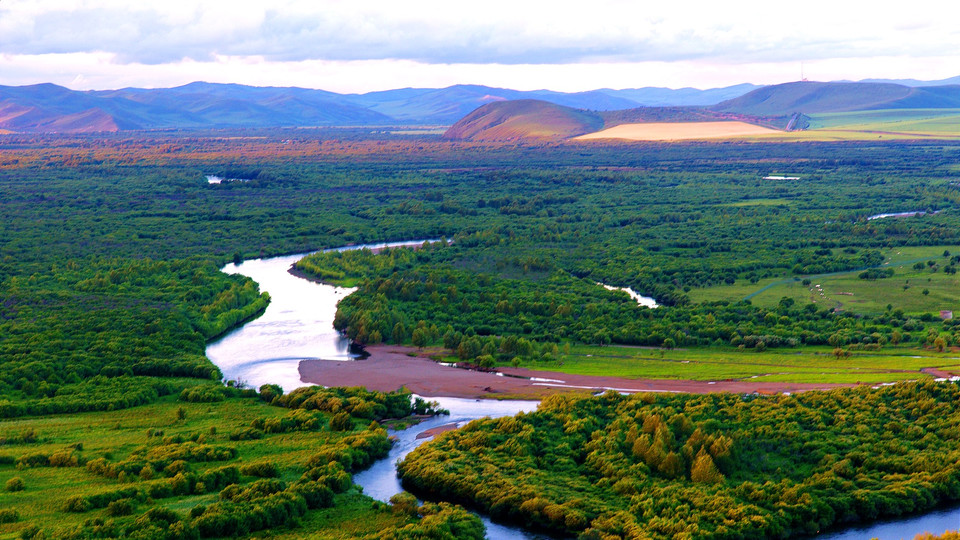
[[298, 325]]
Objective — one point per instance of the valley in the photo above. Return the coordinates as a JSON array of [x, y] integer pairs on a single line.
[[115, 299]]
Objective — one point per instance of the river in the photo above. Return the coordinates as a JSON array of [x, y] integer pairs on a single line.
[[298, 325]]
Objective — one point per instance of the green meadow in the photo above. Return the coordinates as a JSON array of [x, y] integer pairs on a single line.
[[911, 121], [169, 455], [809, 364], [847, 291]]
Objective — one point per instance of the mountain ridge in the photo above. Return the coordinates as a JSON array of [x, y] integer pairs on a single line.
[[50, 108], [216, 105]]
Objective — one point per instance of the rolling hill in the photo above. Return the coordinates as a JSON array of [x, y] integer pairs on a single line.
[[51, 108], [539, 120], [817, 97], [782, 107], [524, 119]]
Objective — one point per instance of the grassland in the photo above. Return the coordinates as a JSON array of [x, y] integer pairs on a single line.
[[905, 289], [781, 365], [944, 121], [119, 435], [886, 124]]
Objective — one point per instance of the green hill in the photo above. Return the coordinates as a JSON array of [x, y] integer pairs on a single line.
[[818, 97]]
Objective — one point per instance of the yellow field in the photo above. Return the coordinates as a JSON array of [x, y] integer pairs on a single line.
[[679, 131]]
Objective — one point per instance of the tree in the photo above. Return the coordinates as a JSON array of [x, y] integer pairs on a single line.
[[420, 338], [704, 470]]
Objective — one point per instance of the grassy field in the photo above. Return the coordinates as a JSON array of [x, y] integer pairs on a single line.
[[904, 290], [886, 124], [934, 121], [118, 435], [811, 364]]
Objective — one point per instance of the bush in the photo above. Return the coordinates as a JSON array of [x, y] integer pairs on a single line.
[[9, 515], [264, 469], [202, 394], [270, 391], [316, 494], [76, 504], [64, 459], [15, 484], [246, 434], [122, 507], [341, 422], [37, 459]]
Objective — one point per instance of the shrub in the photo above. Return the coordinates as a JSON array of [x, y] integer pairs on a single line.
[[202, 394], [315, 494], [76, 504], [15, 484], [9, 515], [270, 391], [246, 434], [64, 459], [341, 422], [37, 459], [121, 507], [264, 469]]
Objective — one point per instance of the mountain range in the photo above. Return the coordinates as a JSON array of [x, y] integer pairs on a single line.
[[51, 108]]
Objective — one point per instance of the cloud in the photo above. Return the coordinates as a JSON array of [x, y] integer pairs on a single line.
[[444, 32]]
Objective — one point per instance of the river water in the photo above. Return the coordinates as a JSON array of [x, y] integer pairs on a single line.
[[298, 325]]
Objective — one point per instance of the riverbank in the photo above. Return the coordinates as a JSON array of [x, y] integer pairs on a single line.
[[390, 366]]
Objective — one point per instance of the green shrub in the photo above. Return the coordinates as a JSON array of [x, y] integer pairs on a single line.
[[341, 422], [121, 507], [15, 484], [76, 504], [264, 469], [36, 459], [9, 515]]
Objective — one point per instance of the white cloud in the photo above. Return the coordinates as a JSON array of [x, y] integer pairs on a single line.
[[385, 43], [82, 71], [498, 31]]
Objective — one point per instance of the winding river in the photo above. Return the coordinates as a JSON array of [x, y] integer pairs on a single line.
[[298, 325]]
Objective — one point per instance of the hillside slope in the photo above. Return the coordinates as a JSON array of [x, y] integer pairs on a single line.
[[524, 119], [539, 120], [818, 97]]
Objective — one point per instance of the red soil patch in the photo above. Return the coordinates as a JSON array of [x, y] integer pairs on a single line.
[[389, 368]]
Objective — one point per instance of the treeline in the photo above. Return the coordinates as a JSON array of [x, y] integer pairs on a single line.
[[96, 334], [436, 297], [705, 466]]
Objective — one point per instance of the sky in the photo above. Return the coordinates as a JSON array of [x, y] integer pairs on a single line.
[[366, 45]]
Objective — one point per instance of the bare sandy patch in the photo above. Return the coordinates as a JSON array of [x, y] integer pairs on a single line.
[[679, 131], [391, 367]]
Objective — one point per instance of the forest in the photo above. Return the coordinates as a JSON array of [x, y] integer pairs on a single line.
[[110, 290], [704, 466]]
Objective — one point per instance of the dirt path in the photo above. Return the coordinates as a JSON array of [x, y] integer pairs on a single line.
[[390, 367]]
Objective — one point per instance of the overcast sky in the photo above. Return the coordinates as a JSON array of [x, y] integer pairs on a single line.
[[359, 46]]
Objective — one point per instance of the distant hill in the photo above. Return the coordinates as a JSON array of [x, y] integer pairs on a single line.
[[51, 108], [819, 97], [538, 120], [525, 119], [47, 107]]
